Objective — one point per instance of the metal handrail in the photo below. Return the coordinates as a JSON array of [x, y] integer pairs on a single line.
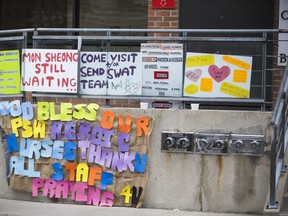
[[13, 31], [162, 30], [89, 35], [279, 142], [182, 35]]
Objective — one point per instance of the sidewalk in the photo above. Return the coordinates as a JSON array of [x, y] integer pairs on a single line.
[[17, 208]]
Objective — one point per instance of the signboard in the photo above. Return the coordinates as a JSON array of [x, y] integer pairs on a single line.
[[10, 72], [113, 73], [49, 70], [76, 152], [161, 4], [162, 66], [211, 75], [283, 37]]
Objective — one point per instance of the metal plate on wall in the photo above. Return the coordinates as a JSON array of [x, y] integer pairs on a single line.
[[177, 142], [247, 145], [209, 143]]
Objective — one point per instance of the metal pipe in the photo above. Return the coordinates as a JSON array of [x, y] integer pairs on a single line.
[[144, 38], [272, 198], [282, 88], [12, 31], [250, 31], [264, 54], [24, 45], [16, 38]]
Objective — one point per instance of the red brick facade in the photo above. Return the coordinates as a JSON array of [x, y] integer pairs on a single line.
[[163, 18], [278, 73]]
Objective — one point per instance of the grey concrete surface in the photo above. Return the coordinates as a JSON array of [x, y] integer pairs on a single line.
[[194, 182], [25, 208]]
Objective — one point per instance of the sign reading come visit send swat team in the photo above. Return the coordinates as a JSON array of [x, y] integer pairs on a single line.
[[76, 152], [110, 73]]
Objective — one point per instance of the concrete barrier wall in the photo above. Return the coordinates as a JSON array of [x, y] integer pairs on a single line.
[[212, 183]]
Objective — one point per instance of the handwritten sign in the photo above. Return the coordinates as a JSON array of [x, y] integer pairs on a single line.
[[113, 73], [237, 62], [49, 70], [10, 72], [162, 69], [201, 60], [234, 90], [213, 75], [77, 152]]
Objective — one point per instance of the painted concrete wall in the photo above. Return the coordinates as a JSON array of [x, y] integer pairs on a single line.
[[212, 183]]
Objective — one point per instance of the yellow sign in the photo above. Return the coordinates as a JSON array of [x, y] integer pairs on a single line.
[[234, 90], [240, 76], [237, 62], [206, 85], [10, 72], [202, 60], [191, 89]]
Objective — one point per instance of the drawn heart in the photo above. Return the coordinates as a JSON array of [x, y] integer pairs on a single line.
[[194, 75], [219, 74]]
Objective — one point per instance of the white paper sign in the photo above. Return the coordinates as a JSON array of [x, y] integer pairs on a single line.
[[112, 73], [212, 75], [162, 69], [49, 70], [283, 37]]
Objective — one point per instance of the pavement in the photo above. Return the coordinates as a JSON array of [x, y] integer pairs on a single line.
[[25, 208]]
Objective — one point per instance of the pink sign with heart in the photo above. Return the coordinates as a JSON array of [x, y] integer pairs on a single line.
[[194, 75], [219, 74]]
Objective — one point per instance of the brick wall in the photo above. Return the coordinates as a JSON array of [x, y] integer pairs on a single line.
[[163, 18], [277, 74], [101, 102], [58, 100]]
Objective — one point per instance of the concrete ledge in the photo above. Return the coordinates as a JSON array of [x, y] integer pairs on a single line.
[[17, 208], [194, 182]]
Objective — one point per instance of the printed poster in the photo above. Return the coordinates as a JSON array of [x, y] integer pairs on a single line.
[[49, 70], [112, 73], [162, 66], [10, 72], [212, 75]]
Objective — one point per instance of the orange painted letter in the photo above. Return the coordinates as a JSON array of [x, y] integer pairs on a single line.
[[125, 128], [108, 114], [94, 174], [72, 168], [142, 124]]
